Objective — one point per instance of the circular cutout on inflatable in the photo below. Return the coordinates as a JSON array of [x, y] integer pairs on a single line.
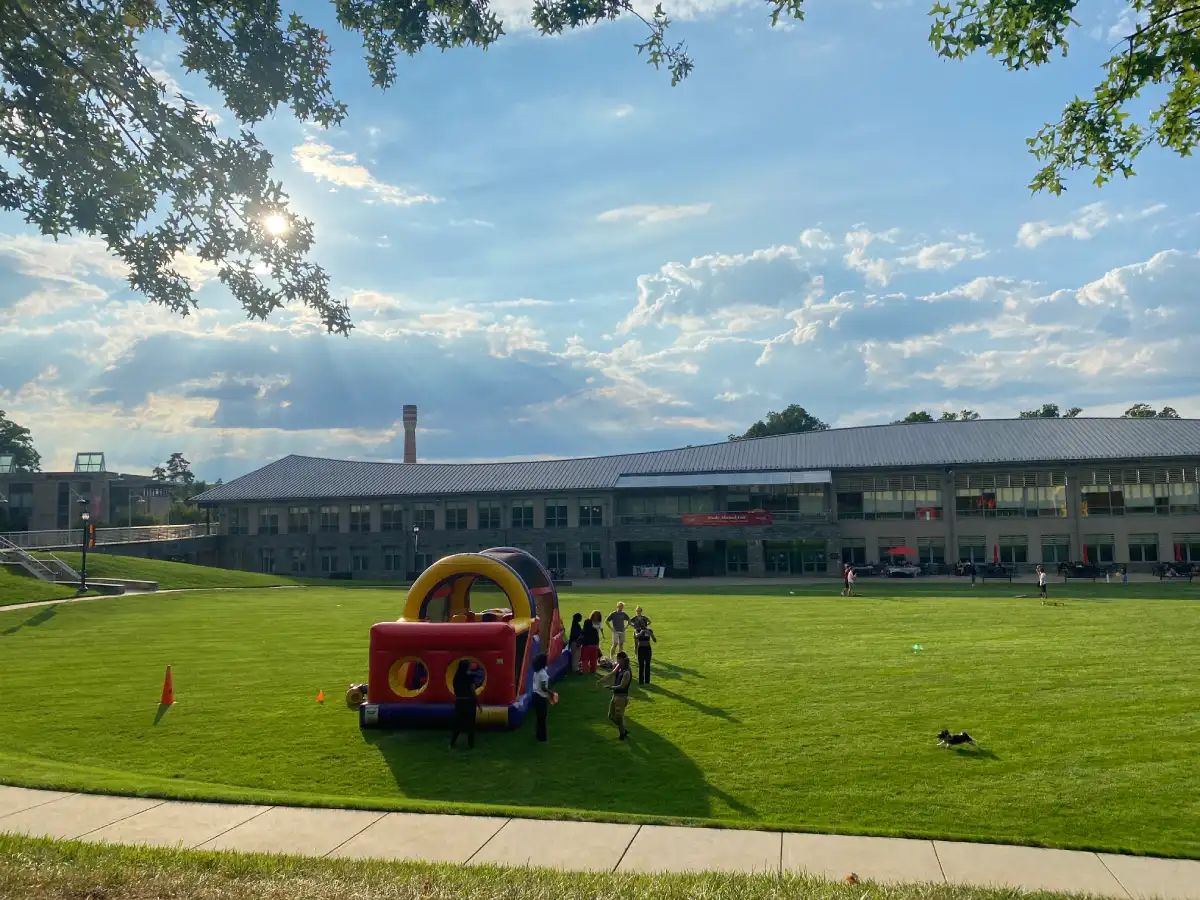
[[478, 674], [408, 677]]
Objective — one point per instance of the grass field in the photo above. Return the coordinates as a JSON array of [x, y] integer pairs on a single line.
[[48, 870], [770, 709], [170, 575], [21, 588]]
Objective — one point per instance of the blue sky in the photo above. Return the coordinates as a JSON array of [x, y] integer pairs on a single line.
[[553, 252]]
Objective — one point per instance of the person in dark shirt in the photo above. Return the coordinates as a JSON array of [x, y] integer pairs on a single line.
[[617, 620], [589, 643], [639, 620], [541, 694], [466, 702], [642, 639], [618, 681], [573, 637]]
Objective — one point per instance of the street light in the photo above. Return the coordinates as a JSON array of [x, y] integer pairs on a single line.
[[416, 548], [85, 517]]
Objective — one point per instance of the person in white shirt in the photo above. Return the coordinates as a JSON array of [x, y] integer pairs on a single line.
[[541, 694], [850, 579], [1041, 573]]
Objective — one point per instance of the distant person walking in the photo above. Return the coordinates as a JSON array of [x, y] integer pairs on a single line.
[[541, 694], [1041, 575], [617, 620], [851, 578], [846, 581], [466, 703], [589, 643], [642, 639], [619, 680]]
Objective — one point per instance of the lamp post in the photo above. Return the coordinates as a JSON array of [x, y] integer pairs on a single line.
[[416, 548], [84, 517]]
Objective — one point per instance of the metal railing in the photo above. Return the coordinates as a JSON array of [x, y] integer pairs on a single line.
[[48, 568], [71, 538]]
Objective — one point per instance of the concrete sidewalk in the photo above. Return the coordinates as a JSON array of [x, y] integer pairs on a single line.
[[583, 845]]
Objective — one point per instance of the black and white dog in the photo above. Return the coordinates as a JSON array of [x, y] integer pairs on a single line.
[[946, 739]]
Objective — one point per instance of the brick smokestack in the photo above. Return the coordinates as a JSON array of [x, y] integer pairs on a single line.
[[410, 433]]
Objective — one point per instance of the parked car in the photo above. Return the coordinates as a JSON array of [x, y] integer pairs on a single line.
[[907, 570], [1085, 570]]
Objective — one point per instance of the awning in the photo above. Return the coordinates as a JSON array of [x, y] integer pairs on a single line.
[[724, 479]]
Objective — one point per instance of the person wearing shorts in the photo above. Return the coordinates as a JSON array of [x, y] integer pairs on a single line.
[[1041, 573], [617, 620]]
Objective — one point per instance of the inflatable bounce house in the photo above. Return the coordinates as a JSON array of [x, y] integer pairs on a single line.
[[413, 661]]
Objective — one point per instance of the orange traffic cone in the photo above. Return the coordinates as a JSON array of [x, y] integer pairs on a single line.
[[168, 693], [321, 696]]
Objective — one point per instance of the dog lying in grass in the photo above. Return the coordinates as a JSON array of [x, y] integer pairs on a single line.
[[946, 739]]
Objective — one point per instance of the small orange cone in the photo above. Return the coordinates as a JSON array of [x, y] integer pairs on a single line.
[[321, 696], [168, 693]]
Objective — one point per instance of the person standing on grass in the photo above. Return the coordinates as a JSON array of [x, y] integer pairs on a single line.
[[541, 694], [846, 581], [618, 681], [573, 639], [1041, 573], [589, 643], [641, 641], [850, 579], [466, 703], [639, 620], [617, 620]]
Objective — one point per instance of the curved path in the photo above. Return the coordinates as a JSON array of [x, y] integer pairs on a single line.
[[574, 845]]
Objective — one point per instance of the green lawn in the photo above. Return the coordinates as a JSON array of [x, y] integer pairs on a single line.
[[51, 870], [778, 709], [21, 588], [170, 574]]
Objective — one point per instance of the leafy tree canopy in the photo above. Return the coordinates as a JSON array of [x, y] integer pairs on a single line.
[[91, 143], [1050, 411], [1146, 411], [793, 420], [920, 415], [17, 442]]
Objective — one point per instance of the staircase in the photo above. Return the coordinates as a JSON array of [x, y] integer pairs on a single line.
[[49, 569]]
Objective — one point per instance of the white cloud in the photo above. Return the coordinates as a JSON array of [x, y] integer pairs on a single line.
[[816, 239], [876, 270], [622, 111], [946, 254], [649, 214], [1086, 222], [325, 163]]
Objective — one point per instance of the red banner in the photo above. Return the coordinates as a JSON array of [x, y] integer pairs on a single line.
[[751, 517]]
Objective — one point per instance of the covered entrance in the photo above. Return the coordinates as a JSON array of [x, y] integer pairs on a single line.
[[794, 557]]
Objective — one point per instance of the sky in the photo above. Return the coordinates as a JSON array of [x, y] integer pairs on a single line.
[[553, 252]]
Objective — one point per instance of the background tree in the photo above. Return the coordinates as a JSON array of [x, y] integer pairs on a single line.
[[966, 415], [917, 415], [793, 420], [1146, 411], [17, 442], [1050, 411], [1157, 56]]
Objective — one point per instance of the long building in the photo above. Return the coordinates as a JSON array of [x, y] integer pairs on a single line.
[[1022, 490]]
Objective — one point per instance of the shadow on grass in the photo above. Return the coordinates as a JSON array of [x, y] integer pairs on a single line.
[[41, 616], [162, 711], [573, 771], [670, 670], [973, 753], [714, 711]]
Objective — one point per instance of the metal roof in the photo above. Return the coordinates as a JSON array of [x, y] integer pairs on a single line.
[[981, 442]]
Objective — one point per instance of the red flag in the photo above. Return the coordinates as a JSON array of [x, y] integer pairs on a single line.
[[1178, 554], [1085, 559]]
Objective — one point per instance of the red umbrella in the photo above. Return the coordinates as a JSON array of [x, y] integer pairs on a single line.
[[902, 551]]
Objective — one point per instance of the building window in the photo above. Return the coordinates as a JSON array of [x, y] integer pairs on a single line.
[[329, 560], [1184, 498], [268, 523], [20, 506], [360, 559], [329, 519], [522, 514], [1143, 548], [1101, 500], [591, 513], [393, 559], [422, 561], [239, 520], [298, 519], [556, 555], [556, 515], [266, 560], [1098, 548], [489, 516], [590, 552], [1014, 548], [854, 551], [1056, 548], [360, 518], [298, 557], [737, 558], [931, 551], [423, 516], [972, 548], [391, 517], [1186, 547], [456, 517]]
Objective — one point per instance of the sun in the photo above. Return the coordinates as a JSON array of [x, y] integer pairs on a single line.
[[275, 224]]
